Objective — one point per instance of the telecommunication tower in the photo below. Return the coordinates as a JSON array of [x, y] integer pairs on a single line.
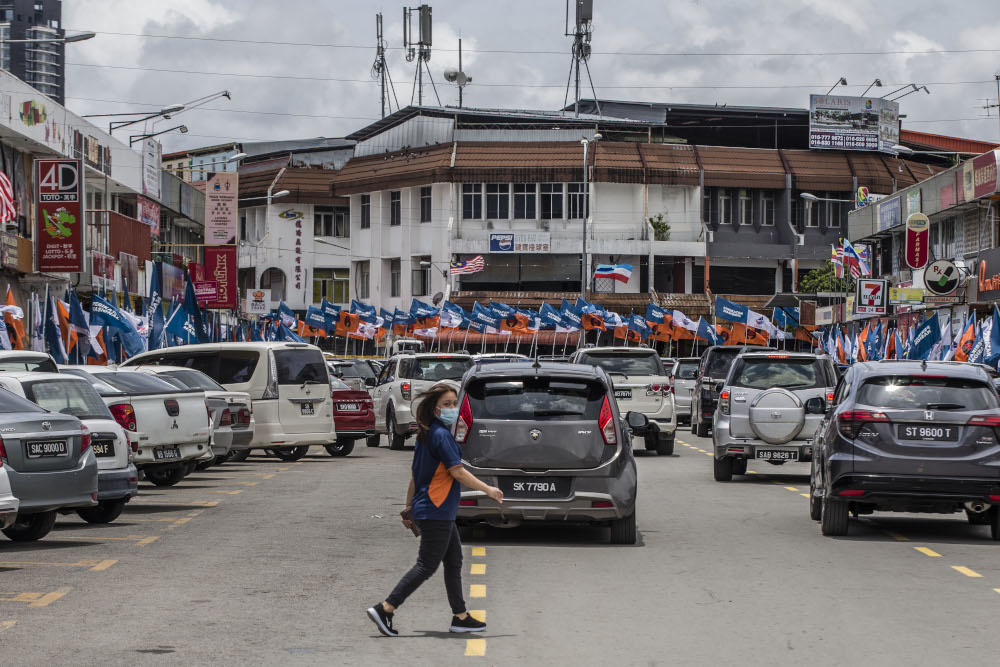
[[380, 71], [583, 28], [419, 49]]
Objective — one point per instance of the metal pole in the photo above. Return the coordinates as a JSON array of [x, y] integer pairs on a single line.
[[583, 258], [460, 69]]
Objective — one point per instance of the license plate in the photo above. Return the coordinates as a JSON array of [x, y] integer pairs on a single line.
[[348, 407], [535, 487], [777, 455], [623, 393], [307, 409], [103, 447], [921, 432], [47, 448], [165, 453]]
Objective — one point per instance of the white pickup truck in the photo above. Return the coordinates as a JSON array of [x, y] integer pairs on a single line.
[[168, 428]]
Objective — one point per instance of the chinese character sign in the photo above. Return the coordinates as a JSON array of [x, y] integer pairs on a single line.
[[59, 215], [220, 208], [220, 266]]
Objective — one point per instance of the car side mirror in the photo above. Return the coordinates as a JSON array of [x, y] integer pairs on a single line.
[[719, 386], [637, 420], [369, 382], [816, 406]]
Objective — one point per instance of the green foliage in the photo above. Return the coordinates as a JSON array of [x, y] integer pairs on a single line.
[[661, 228], [824, 280]]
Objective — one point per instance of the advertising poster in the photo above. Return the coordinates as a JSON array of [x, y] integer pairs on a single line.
[[221, 192], [520, 242], [149, 214], [172, 282], [220, 266], [152, 161], [853, 123], [206, 292], [871, 297], [918, 229], [59, 224]]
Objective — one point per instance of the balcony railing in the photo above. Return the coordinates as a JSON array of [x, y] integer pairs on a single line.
[[111, 232]]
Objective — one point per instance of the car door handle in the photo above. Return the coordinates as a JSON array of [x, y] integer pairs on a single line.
[[740, 399]]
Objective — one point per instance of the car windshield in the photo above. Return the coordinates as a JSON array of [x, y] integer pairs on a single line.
[[918, 392], [686, 370], [192, 380], [628, 363], [719, 362], [138, 383], [11, 402], [68, 397], [41, 363], [225, 366], [296, 366], [779, 371], [102, 387], [437, 368], [536, 399]]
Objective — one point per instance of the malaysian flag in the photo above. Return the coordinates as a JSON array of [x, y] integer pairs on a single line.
[[7, 210], [474, 265]]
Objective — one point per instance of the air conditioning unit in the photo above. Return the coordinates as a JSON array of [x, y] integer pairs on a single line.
[[489, 224], [543, 225]]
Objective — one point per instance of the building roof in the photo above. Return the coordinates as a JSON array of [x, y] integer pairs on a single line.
[[938, 142], [204, 150], [305, 185]]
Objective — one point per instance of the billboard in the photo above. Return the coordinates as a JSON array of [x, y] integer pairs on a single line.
[[258, 302], [220, 266], [152, 161], [220, 208], [59, 224], [536, 242], [871, 297], [853, 123]]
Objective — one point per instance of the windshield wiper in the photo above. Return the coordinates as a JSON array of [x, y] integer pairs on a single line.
[[943, 406], [310, 382]]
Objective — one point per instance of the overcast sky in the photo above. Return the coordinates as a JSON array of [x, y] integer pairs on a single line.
[[316, 83]]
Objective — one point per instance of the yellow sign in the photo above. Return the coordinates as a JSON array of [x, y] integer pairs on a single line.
[[906, 296]]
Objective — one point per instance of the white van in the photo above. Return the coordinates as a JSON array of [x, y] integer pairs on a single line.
[[288, 383], [404, 345]]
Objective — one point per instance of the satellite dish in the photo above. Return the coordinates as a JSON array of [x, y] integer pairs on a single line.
[[451, 74], [462, 78], [438, 298]]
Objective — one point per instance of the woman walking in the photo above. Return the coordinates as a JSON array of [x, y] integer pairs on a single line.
[[431, 506]]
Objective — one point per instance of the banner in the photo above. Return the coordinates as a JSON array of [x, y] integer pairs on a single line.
[[206, 291], [59, 227], [727, 310], [536, 242], [220, 208], [152, 165], [220, 266], [149, 214], [841, 122]]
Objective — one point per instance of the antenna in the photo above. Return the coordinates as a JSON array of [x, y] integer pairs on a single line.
[[457, 75], [583, 28], [419, 50], [380, 70]]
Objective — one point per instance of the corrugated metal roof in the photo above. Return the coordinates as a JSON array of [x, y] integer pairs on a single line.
[[742, 167], [939, 142]]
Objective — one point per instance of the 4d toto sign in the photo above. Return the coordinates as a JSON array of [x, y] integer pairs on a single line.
[[59, 224], [918, 229]]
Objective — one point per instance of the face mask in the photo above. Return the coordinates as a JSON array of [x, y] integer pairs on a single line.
[[449, 415]]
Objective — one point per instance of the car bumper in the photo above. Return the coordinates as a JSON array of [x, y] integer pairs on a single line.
[[242, 439], [363, 433], [911, 491], [404, 420], [56, 489], [144, 455], [355, 424], [118, 483], [8, 510], [747, 449], [222, 441], [268, 435]]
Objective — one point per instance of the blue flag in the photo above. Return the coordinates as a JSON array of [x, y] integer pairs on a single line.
[[104, 313], [316, 319], [978, 346], [707, 332], [655, 314], [285, 334], [194, 312], [452, 315], [154, 311], [550, 316], [53, 332], [638, 324], [928, 335], [179, 325], [255, 335], [993, 349], [572, 319], [727, 310], [365, 312]]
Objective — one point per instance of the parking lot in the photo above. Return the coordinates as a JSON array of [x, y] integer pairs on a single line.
[[266, 562]]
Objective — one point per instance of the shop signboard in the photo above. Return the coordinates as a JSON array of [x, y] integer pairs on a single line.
[[889, 212], [913, 201], [841, 122], [523, 242], [905, 296], [173, 281], [871, 297], [988, 276], [149, 214], [918, 229], [59, 224], [941, 277], [152, 164], [8, 250], [824, 315], [220, 208], [220, 266], [979, 176], [932, 300], [205, 291], [130, 271], [258, 302]]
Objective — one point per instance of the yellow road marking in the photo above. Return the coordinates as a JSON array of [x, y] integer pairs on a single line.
[[223, 493], [475, 647], [751, 472], [480, 614], [707, 453], [791, 488], [248, 483], [897, 536], [193, 503], [804, 495], [35, 563], [49, 598], [478, 551], [103, 565], [129, 538], [478, 568], [7, 625], [477, 591], [179, 522], [928, 552], [966, 571], [147, 540]]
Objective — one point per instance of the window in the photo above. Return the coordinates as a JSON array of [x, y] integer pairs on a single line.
[[578, 203], [813, 212], [323, 221], [745, 207], [947, 238], [395, 209], [332, 285], [765, 373], [524, 201], [394, 271], [421, 278], [472, 201], [497, 201], [301, 366], [935, 240], [534, 399], [341, 223], [243, 227], [68, 397], [631, 363], [364, 280], [725, 206], [366, 211], [436, 368], [707, 207], [767, 209], [425, 204], [552, 201], [919, 392]]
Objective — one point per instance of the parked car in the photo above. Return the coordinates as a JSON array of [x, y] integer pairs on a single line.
[[908, 436], [716, 361], [497, 358], [354, 416], [683, 379], [231, 411], [554, 358], [769, 409], [24, 360], [289, 384], [668, 363], [49, 464], [356, 373], [117, 477], [641, 385], [167, 427], [406, 345], [403, 378], [552, 439], [8, 503]]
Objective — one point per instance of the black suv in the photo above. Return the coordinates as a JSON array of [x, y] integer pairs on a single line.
[[908, 436], [715, 363]]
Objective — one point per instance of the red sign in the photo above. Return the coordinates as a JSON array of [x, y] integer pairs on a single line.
[[196, 270], [149, 214], [980, 176], [918, 229], [59, 224], [205, 291], [220, 266], [103, 266]]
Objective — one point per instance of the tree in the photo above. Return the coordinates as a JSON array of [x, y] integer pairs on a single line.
[[824, 280]]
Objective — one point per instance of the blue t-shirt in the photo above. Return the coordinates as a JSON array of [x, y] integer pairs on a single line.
[[436, 493]]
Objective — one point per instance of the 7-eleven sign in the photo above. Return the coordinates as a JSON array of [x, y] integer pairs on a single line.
[[872, 297]]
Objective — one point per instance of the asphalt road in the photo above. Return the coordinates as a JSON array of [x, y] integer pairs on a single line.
[[268, 563]]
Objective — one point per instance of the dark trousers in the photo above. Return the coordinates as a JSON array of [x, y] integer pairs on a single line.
[[439, 543]]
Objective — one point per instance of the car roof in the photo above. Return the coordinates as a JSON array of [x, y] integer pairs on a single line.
[[23, 354], [499, 355], [543, 368], [24, 376], [782, 353], [694, 359], [432, 355], [218, 347], [619, 348], [160, 369], [959, 369]]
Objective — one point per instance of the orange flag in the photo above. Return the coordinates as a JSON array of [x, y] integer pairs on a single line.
[[348, 323], [18, 340]]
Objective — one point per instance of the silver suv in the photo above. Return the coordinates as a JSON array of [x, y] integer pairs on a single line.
[[763, 412]]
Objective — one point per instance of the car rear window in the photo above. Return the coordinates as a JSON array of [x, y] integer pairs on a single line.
[[11, 402], [192, 380], [299, 367], [719, 362], [435, 368], [359, 369], [536, 399], [922, 392], [100, 386], [629, 363], [339, 385], [68, 397], [787, 373], [686, 370], [43, 364], [132, 382], [225, 366]]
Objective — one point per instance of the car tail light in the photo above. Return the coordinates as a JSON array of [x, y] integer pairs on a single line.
[[601, 503], [851, 493], [724, 402], [471, 502], [849, 423], [243, 416], [829, 398], [995, 499], [124, 414], [271, 389], [672, 388], [405, 391], [3, 452], [464, 424], [987, 421], [606, 423], [84, 439], [227, 418]]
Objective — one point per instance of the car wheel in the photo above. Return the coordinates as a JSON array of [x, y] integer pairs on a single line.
[[291, 453], [31, 527], [373, 440], [239, 456], [723, 469], [342, 447], [105, 512], [219, 460], [623, 530], [995, 523], [167, 477], [696, 430], [665, 446], [740, 466], [834, 519], [395, 440]]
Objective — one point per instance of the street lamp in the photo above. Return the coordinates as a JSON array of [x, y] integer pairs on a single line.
[[841, 82], [584, 278], [877, 83], [808, 196], [280, 193], [139, 137], [82, 37]]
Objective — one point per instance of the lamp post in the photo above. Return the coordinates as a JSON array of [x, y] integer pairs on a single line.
[[584, 278], [840, 82], [139, 137]]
